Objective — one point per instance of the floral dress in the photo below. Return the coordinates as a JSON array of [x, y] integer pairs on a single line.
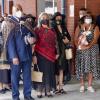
[[87, 60]]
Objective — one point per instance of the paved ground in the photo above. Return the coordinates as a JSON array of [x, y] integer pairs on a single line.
[[73, 93]]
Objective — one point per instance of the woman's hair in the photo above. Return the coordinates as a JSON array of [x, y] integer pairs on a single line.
[[41, 16]]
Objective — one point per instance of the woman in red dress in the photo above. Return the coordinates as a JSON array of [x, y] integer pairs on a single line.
[[45, 50]]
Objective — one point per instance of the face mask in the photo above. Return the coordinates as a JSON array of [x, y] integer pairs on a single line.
[[18, 14], [88, 20], [45, 22], [58, 22], [81, 16]]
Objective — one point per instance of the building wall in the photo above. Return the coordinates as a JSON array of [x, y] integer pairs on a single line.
[[29, 6], [70, 27], [92, 5]]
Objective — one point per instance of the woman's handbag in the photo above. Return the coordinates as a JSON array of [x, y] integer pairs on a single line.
[[68, 53], [36, 75]]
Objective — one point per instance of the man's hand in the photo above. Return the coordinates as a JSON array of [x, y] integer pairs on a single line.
[[31, 40], [15, 61]]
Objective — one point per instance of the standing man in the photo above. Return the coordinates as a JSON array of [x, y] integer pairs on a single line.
[[19, 54]]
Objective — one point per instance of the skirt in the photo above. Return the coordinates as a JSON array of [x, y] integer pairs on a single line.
[[87, 61], [5, 76], [48, 69]]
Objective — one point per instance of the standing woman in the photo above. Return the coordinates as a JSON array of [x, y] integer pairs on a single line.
[[87, 52], [5, 81], [45, 50], [63, 39]]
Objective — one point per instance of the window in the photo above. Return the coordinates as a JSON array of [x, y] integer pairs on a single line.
[[48, 6]]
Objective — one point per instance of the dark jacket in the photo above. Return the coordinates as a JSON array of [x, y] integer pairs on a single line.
[[16, 46]]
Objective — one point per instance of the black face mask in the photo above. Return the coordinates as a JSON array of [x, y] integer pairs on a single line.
[[45, 22], [58, 22]]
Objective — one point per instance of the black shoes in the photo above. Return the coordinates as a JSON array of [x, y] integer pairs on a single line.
[[39, 96], [2, 91], [7, 90], [61, 91], [49, 95], [25, 98], [28, 98]]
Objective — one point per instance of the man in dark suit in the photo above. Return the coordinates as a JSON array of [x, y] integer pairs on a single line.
[[19, 54]]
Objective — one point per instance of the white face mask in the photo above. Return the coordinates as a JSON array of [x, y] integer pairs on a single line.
[[18, 14], [81, 16], [88, 20]]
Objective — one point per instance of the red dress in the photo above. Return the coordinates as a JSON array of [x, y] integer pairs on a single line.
[[46, 43]]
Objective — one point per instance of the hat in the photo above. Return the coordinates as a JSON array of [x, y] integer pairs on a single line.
[[31, 16], [25, 17], [57, 14]]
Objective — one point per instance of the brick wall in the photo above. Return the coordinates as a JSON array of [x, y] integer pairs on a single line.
[[69, 19], [29, 6], [78, 4], [92, 5]]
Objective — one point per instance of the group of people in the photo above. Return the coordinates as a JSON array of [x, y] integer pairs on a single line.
[[23, 43]]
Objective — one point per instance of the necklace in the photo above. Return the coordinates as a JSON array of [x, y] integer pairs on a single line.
[[87, 29]]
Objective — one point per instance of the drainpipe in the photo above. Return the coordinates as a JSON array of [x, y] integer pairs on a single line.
[[2, 7], [63, 2]]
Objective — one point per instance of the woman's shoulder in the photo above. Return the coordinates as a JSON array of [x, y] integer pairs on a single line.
[[37, 29], [97, 31]]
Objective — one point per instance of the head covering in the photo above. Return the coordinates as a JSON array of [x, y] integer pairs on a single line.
[[57, 14], [31, 16]]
